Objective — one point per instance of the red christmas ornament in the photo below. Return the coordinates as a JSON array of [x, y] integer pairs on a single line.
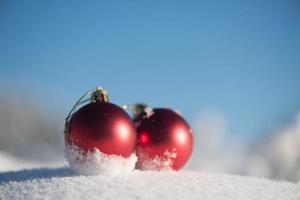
[[101, 125], [165, 139]]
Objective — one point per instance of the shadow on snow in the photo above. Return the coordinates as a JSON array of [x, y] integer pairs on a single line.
[[24, 175]]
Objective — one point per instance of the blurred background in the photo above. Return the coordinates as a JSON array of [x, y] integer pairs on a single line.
[[232, 68]]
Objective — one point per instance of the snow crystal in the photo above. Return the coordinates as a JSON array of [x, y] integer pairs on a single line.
[[95, 162], [156, 163]]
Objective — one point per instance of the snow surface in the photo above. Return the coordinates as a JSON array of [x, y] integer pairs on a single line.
[[63, 183]]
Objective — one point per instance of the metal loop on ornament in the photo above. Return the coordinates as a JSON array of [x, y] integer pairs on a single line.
[[91, 94]]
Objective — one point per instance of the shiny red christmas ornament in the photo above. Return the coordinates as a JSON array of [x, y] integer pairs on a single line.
[[101, 125], [165, 139]]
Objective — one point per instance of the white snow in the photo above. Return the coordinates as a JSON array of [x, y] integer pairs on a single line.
[[156, 163], [63, 183], [95, 162], [9, 162]]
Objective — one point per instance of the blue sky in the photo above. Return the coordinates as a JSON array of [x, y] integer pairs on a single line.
[[238, 57]]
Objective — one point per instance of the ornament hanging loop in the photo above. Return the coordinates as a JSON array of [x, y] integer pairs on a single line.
[[92, 96]]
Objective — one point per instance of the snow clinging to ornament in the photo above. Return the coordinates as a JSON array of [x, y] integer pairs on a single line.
[[100, 137]]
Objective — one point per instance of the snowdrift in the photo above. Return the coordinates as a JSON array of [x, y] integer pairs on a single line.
[[63, 183]]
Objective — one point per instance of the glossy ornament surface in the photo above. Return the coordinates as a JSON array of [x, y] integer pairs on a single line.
[[165, 140], [101, 125]]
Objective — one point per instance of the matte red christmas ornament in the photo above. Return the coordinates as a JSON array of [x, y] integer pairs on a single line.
[[100, 125], [165, 139]]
